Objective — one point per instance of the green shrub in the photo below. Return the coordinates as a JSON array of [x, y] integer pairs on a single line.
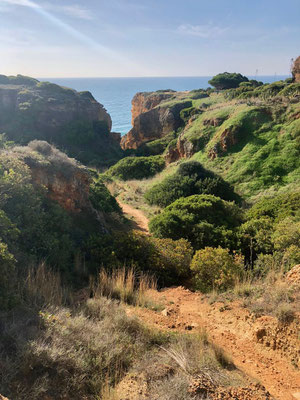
[[199, 94], [204, 220], [174, 258], [101, 199], [227, 80], [137, 167], [272, 226], [215, 268], [7, 278], [190, 178], [168, 260]]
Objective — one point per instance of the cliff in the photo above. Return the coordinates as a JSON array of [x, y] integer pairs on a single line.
[[296, 70], [145, 101], [64, 180], [72, 120], [154, 116]]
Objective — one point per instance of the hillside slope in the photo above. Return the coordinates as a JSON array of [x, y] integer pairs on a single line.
[[250, 136]]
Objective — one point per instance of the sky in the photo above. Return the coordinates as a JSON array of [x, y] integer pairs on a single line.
[[121, 38]]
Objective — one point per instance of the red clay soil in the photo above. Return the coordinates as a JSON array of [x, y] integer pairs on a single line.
[[240, 335]]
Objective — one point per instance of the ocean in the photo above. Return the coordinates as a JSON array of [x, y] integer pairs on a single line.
[[116, 93]]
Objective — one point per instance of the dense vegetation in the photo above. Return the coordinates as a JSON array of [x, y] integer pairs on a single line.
[[137, 167], [204, 220], [190, 178], [33, 226]]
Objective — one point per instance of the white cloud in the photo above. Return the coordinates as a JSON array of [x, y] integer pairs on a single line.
[[203, 31]]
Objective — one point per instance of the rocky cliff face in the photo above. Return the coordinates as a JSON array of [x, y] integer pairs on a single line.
[[296, 70], [143, 102], [66, 181], [151, 119], [75, 121]]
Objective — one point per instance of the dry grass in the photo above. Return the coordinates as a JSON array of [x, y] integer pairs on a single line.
[[43, 287], [78, 352], [171, 368], [269, 295], [125, 285]]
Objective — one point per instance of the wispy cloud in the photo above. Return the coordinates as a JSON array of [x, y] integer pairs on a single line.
[[75, 11], [203, 31], [24, 3], [72, 10]]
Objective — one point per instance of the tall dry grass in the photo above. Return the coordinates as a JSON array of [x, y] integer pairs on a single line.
[[43, 287], [124, 285]]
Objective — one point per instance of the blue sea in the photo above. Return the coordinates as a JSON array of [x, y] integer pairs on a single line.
[[116, 93]]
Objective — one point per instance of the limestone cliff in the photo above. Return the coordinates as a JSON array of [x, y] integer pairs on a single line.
[[145, 101], [64, 179], [296, 70], [152, 119], [73, 120]]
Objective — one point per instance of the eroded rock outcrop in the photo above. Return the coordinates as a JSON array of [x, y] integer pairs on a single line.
[[154, 123], [296, 70], [66, 181], [145, 101]]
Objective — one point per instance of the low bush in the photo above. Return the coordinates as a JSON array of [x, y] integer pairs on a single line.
[[101, 199], [190, 178], [137, 167], [204, 220], [166, 259], [215, 268], [155, 147]]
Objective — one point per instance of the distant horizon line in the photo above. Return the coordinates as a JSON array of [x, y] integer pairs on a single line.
[[154, 77]]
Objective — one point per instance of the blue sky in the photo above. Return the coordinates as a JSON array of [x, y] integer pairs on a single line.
[[94, 38]]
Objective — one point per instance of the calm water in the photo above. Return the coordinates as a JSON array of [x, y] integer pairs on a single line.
[[116, 93]]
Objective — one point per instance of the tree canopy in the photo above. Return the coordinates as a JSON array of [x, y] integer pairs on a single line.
[[227, 80]]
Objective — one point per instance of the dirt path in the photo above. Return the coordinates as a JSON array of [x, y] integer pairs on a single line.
[[233, 330], [140, 221]]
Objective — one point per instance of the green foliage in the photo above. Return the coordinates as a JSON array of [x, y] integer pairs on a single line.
[[272, 226], [199, 94], [254, 89], [168, 260], [277, 207], [137, 167], [7, 277], [204, 220], [190, 178], [227, 80], [33, 226], [156, 147], [18, 80], [79, 132], [187, 113], [174, 258], [101, 199], [215, 268]]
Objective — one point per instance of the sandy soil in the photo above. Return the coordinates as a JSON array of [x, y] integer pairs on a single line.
[[139, 220], [234, 330]]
